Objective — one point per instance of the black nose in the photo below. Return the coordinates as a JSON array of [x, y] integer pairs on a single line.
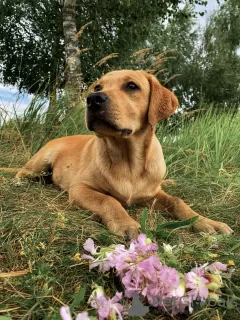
[[96, 100]]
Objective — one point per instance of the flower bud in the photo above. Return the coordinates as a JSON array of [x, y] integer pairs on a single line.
[[181, 289], [215, 281], [148, 241], [167, 249], [214, 296]]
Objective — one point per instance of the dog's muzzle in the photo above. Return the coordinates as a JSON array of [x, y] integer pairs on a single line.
[[97, 114], [97, 101]]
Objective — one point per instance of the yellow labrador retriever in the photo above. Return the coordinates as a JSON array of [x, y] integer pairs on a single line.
[[123, 163]]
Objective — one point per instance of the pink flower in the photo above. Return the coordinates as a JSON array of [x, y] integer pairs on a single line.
[[133, 282], [99, 259], [83, 316], [89, 246], [149, 266], [180, 290], [120, 258], [217, 267], [143, 245], [169, 293], [107, 308], [169, 279], [163, 283], [138, 274], [140, 269], [66, 314], [197, 284], [200, 270], [99, 262]]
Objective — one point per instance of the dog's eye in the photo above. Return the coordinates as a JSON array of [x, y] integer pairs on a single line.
[[97, 88], [131, 86]]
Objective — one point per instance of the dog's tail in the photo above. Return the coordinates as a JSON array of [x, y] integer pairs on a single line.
[[10, 169]]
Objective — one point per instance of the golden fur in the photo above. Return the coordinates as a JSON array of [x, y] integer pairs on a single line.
[[123, 163]]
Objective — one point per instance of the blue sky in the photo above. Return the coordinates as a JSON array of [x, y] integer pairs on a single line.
[[10, 97]]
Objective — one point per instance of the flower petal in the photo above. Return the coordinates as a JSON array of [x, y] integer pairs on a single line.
[[65, 313], [217, 266], [83, 316], [89, 246], [87, 256]]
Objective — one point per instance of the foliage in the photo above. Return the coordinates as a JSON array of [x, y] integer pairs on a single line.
[[221, 56], [180, 35], [32, 42], [207, 61], [202, 69]]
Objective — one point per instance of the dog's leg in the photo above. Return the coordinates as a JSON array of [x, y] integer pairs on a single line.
[[182, 211], [111, 212], [38, 165]]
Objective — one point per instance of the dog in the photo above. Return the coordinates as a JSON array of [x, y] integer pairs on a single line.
[[123, 163]]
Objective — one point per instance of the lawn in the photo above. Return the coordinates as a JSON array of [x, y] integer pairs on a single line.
[[42, 236]]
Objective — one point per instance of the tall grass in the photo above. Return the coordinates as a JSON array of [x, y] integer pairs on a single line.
[[206, 145], [39, 124]]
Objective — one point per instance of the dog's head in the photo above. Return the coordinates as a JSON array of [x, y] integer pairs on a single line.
[[124, 102]]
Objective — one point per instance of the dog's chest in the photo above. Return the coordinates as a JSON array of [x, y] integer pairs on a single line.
[[133, 186]]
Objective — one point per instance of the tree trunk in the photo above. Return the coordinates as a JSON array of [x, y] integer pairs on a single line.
[[73, 68]]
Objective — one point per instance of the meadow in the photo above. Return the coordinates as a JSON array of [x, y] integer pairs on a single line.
[[41, 235]]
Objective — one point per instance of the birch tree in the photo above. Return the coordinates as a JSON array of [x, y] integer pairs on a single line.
[[37, 42], [73, 68]]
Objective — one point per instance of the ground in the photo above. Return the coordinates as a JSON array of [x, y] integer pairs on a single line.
[[41, 234]]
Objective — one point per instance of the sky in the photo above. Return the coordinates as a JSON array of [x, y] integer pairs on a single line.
[[10, 97], [211, 6]]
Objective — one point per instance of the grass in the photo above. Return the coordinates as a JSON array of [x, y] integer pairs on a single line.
[[41, 234]]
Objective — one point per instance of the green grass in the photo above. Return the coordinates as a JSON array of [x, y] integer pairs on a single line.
[[41, 233]]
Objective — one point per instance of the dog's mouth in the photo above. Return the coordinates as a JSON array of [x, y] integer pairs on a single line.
[[98, 121]]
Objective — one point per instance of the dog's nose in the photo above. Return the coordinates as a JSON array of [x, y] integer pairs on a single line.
[[96, 100]]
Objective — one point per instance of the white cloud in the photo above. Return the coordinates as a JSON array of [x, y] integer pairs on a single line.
[[208, 9], [11, 99]]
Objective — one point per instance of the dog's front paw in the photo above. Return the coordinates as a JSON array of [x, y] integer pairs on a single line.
[[18, 182], [211, 226], [126, 227]]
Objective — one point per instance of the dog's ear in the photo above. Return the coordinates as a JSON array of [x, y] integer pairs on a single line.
[[163, 102]]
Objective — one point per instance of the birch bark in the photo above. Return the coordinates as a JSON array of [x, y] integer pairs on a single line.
[[73, 69]]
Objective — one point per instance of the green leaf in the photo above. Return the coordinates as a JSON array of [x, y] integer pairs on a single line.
[[143, 220], [162, 229], [143, 223], [165, 235], [5, 318], [236, 246], [79, 297], [177, 224], [172, 263]]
